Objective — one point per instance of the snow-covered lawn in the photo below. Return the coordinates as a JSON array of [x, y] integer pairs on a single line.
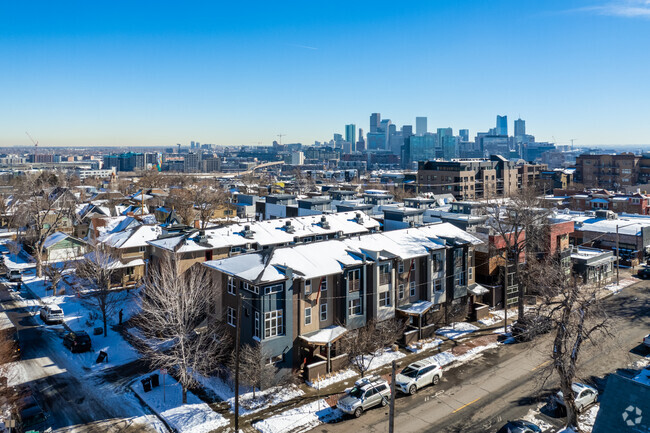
[[386, 356], [497, 316], [80, 316], [193, 417], [421, 346], [457, 330], [300, 419], [247, 404]]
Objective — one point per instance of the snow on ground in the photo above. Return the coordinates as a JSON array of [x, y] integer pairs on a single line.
[[531, 416], [385, 357], [193, 417], [421, 346], [614, 288], [300, 419], [247, 404], [497, 316], [457, 330], [587, 419], [80, 316]]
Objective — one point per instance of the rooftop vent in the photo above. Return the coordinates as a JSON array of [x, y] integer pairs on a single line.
[[288, 227], [323, 223], [248, 233]]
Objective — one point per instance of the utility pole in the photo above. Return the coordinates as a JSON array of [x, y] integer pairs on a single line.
[[618, 253], [391, 411], [237, 336]]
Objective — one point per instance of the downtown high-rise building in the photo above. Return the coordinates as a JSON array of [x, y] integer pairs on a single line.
[[375, 120], [463, 134], [520, 127], [502, 126], [350, 135], [420, 125]]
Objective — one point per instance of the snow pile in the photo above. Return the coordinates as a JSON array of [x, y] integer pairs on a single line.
[[335, 378], [616, 288], [425, 345], [457, 330], [531, 417], [247, 404], [588, 418], [300, 419], [193, 417], [446, 357]]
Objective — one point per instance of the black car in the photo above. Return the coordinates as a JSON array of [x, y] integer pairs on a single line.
[[31, 416], [520, 426], [531, 326], [78, 341], [643, 273]]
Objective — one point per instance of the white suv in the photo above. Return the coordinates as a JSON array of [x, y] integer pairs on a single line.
[[584, 396], [418, 375], [366, 393], [52, 314], [646, 341]]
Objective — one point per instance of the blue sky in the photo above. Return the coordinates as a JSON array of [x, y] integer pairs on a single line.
[[158, 73]]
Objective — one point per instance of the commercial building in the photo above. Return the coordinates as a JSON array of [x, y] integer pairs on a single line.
[[608, 171]]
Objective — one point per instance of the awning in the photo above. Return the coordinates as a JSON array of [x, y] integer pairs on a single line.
[[324, 336], [416, 309], [478, 290]]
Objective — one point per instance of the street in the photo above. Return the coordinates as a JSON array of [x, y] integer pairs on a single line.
[[74, 400], [509, 381]]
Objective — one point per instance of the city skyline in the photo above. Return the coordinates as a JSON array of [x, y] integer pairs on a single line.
[[155, 75]]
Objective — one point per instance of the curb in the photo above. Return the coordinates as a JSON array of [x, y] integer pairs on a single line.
[[156, 414]]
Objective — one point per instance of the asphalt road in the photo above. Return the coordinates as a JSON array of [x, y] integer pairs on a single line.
[[505, 383], [72, 400]]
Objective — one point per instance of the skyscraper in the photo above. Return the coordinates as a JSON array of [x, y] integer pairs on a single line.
[[463, 134], [361, 144], [350, 134], [502, 125], [375, 120], [420, 125], [520, 127]]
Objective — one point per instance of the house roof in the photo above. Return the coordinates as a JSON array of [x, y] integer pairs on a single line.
[[624, 406], [54, 239], [134, 237], [324, 336]]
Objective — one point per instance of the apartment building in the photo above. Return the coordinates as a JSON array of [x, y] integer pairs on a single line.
[[608, 171], [469, 178], [299, 301], [636, 203]]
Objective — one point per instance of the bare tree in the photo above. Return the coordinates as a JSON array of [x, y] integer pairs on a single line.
[[46, 206], [96, 273], [519, 225], [254, 368], [175, 306], [55, 273], [206, 202], [182, 200], [365, 344]]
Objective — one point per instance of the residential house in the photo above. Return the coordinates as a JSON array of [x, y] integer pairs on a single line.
[[61, 246]]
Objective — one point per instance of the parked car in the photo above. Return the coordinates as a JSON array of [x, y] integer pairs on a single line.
[[418, 375], [14, 275], [520, 426], [584, 394], [646, 341], [531, 326], [77, 341], [643, 273], [51, 314], [30, 415], [366, 393]]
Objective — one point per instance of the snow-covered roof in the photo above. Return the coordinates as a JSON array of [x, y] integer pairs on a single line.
[[325, 335], [330, 257], [54, 239], [110, 262], [478, 290], [134, 237], [416, 308], [271, 232]]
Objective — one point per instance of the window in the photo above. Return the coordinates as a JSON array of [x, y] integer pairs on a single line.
[[323, 312], [141, 249], [400, 291], [384, 274], [308, 316], [354, 280], [244, 285], [319, 238], [272, 289], [400, 267], [308, 239], [354, 307], [275, 359], [437, 285], [273, 323], [307, 287], [231, 285], [232, 316], [437, 263], [257, 324], [323, 284], [412, 289], [412, 265], [384, 299]]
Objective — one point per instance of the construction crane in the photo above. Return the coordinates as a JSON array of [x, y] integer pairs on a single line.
[[572, 140], [35, 145], [281, 135]]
